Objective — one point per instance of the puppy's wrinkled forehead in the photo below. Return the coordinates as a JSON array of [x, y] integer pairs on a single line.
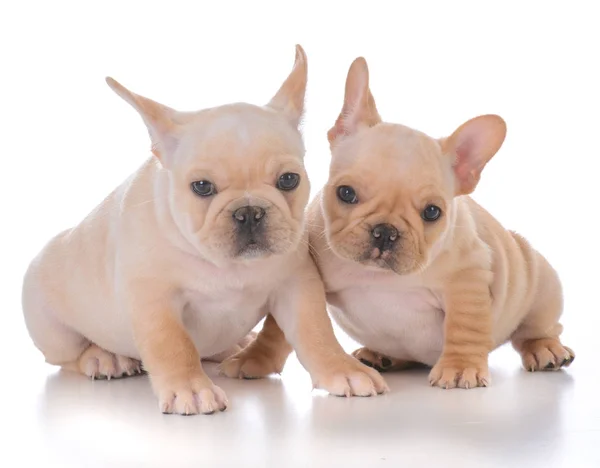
[[394, 153], [241, 133]]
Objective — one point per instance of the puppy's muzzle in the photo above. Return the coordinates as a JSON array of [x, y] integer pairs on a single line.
[[384, 237]]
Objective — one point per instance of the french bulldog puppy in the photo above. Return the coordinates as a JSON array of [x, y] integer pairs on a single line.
[[184, 258], [414, 269]]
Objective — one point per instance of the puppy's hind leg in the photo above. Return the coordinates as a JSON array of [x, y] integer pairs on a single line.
[[63, 346], [537, 337], [236, 348], [265, 355], [59, 344]]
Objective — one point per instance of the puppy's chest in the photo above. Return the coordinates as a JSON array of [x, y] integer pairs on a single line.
[[217, 314], [401, 319], [226, 301]]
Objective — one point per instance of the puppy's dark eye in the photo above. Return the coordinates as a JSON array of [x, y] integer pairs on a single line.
[[288, 181], [431, 213], [203, 188], [347, 194]]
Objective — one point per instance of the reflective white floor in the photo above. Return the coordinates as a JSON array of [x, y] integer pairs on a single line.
[[534, 420]]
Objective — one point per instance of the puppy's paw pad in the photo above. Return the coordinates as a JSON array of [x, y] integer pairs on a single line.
[[351, 378], [198, 396], [97, 363], [546, 354], [447, 377]]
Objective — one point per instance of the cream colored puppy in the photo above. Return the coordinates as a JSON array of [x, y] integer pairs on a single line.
[[185, 257], [414, 269]]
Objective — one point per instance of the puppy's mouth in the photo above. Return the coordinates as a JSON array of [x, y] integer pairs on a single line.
[[252, 247], [392, 260], [380, 258], [378, 254]]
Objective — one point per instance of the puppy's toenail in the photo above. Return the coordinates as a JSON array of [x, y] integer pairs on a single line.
[[385, 362], [550, 365]]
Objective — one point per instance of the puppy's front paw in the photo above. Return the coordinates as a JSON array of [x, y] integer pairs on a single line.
[[348, 377], [189, 396], [452, 374], [252, 363]]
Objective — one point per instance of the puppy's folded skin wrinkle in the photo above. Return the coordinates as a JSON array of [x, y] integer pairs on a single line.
[[456, 284], [160, 273]]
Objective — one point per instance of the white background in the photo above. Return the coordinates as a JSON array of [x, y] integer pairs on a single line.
[[67, 140]]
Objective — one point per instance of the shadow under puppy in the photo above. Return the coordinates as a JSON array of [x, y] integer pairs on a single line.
[[185, 257], [414, 269]]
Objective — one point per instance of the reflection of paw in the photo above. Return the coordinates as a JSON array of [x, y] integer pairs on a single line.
[[545, 354], [97, 363], [253, 363], [189, 396], [348, 377], [451, 375], [378, 361]]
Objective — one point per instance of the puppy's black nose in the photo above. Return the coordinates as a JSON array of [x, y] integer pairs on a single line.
[[248, 216], [384, 236]]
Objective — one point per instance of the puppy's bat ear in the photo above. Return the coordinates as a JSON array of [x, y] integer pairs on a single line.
[[472, 146], [289, 100], [359, 110], [163, 123]]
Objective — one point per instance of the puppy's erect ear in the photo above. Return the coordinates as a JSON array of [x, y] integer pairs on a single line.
[[472, 146], [359, 109], [289, 100], [164, 123]]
